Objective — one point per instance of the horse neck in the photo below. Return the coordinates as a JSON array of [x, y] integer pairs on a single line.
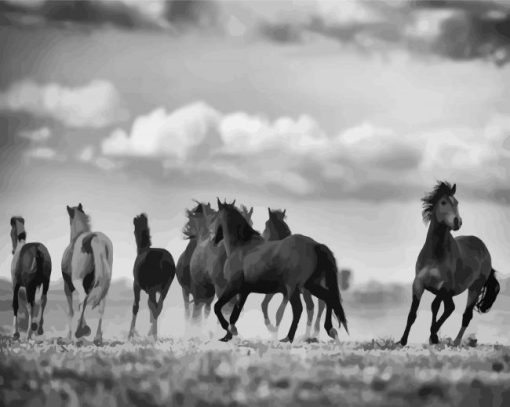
[[439, 239], [143, 241], [19, 244], [77, 228]]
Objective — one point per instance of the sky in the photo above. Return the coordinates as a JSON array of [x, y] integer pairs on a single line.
[[345, 113]]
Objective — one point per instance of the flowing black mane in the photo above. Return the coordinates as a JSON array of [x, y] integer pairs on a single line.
[[430, 200], [277, 221], [244, 231], [142, 231]]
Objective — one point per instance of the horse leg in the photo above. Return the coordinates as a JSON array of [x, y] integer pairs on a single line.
[[185, 297], [265, 306], [70, 310], [317, 326], [207, 308], [43, 301], [136, 306], [234, 316], [280, 312], [227, 295], [98, 339], [433, 340], [297, 309], [196, 315], [468, 314], [32, 317], [449, 307], [324, 295], [417, 293], [83, 329], [307, 296], [153, 307], [15, 307]]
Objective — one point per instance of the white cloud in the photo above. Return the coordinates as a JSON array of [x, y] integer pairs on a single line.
[[164, 134], [38, 135], [298, 156], [96, 104], [42, 153]]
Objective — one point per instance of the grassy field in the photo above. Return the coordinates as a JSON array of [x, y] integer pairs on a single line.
[[196, 372]]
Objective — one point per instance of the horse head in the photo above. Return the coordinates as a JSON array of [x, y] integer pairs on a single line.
[[441, 206]]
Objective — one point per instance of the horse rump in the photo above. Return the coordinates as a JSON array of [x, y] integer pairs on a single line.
[[488, 294]]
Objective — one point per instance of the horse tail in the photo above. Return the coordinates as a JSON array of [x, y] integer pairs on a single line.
[[43, 261], [488, 294], [102, 255], [326, 263]]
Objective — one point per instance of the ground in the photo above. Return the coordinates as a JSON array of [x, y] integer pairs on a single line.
[[198, 372]]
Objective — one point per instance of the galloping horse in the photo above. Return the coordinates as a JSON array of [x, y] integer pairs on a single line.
[[285, 266], [447, 266], [88, 257], [276, 229], [207, 262], [182, 269], [153, 272], [30, 268]]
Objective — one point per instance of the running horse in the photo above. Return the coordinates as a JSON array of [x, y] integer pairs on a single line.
[[276, 229], [153, 272], [88, 258], [447, 266], [285, 266], [30, 269]]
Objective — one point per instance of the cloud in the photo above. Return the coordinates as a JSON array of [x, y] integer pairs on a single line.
[[42, 153], [38, 135], [95, 105], [296, 156]]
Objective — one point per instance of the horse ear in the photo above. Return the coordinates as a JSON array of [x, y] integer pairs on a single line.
[[454, 188], [284, 212], [80, 207], [251, 211], [269, 211], [218, 202], [233, 202], [70, 211]]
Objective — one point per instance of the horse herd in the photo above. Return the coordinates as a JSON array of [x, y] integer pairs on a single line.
[[227, 259]]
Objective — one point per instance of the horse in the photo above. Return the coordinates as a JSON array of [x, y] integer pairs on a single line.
[[182, 269], [153, 272], [447, 266], [207, 262], [89, 258], [276, 229], [285, 266], [30, 269]]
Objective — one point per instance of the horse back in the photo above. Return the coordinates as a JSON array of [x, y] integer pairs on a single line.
[[154, 268], [183, 264], [34, 265]]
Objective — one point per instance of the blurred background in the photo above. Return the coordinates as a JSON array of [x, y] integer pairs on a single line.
[[342, 112]]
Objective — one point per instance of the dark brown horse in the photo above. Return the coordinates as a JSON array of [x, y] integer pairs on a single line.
[[183, 269], [448, 266], [30, 269], [153, 272], [284, 266], [276, 229]]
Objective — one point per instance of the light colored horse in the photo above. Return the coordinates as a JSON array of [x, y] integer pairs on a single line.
[[448, 266], [88, 258], [30, 269], [276, 229]]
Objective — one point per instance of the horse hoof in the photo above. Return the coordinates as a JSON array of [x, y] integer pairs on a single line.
[[83, 331], [40, 331], [433, 340], [227, 337], [333, 333], [456, 342], [98, 341], [311, 340], [402, 342], [33, 327], [233, 330], [15, 336], [286, 339]]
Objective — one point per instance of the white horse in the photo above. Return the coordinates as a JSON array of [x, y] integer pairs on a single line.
[[88, 258]]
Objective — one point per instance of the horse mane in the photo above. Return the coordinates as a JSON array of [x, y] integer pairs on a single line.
[[246, 213], [188, 230], [85, 218], [142, 231], [244, 230], [277, 218], [430, 200]]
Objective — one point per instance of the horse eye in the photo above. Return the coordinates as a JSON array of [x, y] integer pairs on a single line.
[[443, 202]]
